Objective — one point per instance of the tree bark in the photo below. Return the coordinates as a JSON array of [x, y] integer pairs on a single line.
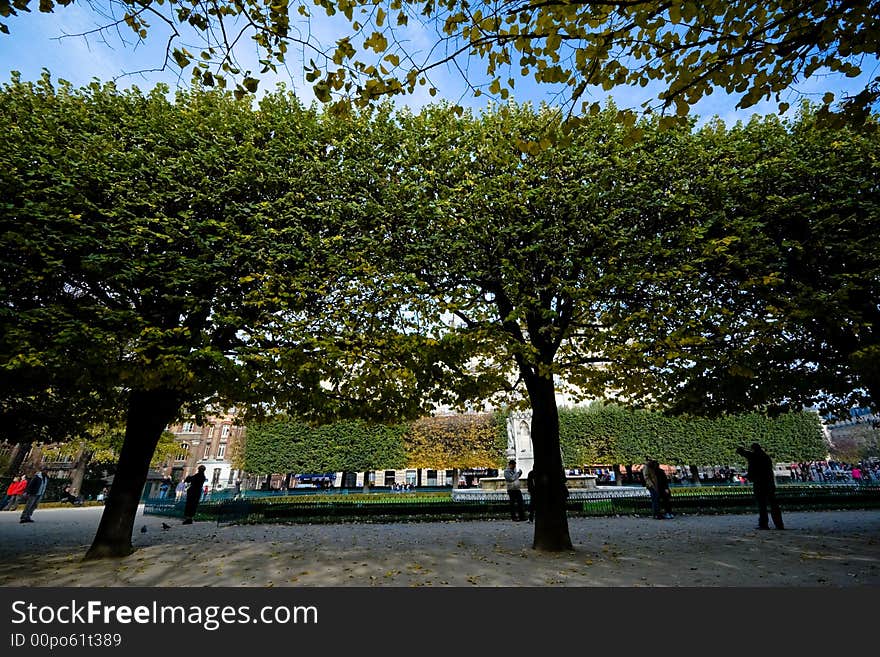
[[366, 488], [551, 518], [78, 473], [149, 412], [19, 452], [695, 475]]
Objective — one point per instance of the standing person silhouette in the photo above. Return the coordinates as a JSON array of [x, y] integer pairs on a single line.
[[511, 476], [664, 495], [760, 473], [650, 476], [34, 492], [193, 494]]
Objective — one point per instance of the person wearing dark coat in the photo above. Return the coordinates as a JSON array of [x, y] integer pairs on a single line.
[[193, 494], [34, 492], [664, 495], [511, 477], [760, 473]]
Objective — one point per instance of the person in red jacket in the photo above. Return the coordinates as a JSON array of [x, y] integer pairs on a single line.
[[13, 494]]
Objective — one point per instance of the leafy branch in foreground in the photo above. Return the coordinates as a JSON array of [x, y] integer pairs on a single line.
[[683, 49]]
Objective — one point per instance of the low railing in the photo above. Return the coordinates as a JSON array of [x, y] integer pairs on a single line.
[[413, 507]]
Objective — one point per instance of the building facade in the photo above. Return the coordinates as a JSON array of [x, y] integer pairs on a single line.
[[211, 444]]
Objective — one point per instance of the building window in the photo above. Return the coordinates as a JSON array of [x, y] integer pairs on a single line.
[[183, 453], [432, 478], [221, 451], [210, 432], [411, 477], [450, 478], [207, 451], [389, 477], [188, 427], [225, 431]]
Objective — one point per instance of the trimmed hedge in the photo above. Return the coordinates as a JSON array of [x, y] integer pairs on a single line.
[[597, 434], [613, 434]]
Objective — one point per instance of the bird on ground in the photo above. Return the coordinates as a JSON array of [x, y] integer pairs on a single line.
[[144, 529], [165, 526]]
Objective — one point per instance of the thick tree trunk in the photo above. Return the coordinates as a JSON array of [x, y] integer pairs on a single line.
[[551, 518], [695, 475], [149, 412], [19, 452], [366, 488], [78, 473]]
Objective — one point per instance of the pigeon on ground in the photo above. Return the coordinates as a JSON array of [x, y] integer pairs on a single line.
[[144, 529], [165, 526]]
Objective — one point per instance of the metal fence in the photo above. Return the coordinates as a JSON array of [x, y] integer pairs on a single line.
[[415, 508]]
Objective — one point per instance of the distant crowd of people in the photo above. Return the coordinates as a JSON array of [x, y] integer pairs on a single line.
[[862, 472]]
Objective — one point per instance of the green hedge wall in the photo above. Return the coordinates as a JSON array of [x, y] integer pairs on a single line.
[[597, 434], [610, 434], [293, 446]]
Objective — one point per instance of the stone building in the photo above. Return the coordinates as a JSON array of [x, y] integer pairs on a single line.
[[211, 444]]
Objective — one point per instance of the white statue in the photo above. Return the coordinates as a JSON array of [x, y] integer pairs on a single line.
[[519, 440]]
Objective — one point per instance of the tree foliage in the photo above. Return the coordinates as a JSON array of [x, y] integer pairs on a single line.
[[755, 50], [456, 441], [778, 308], [103, 444], [170, 253]]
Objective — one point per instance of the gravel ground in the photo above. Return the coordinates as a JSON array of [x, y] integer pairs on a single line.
[[824, 548]]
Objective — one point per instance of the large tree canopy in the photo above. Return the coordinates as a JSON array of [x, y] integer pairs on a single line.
[[170, 253], [782, 308], [140, 231], [682, 269], [754, 50]]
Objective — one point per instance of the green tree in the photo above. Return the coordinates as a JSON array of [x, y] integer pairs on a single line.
[[141, 232], [781, 313], [456, 441], [175, 254], [755, 50], [528, 237]]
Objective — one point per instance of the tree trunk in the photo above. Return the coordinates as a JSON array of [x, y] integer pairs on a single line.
[[19, 452], [78, 473], [149, 412], [695, 475], [551, 518], [366, 488], [455, 478]]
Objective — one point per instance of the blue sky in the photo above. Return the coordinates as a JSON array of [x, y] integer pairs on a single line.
[[34, 44]]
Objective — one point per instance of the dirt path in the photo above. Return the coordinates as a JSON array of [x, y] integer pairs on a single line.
[[837, 549]]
